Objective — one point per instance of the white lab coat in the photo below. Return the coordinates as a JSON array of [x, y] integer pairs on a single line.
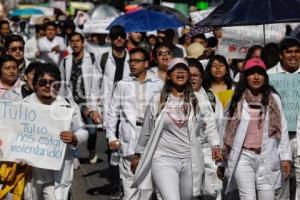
[[58, 182], [106, 82], [124, 106], [273, 151], [201, 123], [88, 67], [45, 47]]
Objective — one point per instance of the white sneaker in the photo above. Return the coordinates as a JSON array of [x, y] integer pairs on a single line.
[[94, 159], [76, 163]]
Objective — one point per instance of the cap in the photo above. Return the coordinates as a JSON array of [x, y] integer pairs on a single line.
[[254, 62], [176, 61], [195, 50]]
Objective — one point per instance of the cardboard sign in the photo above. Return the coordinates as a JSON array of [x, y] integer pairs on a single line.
[[237, 40], [30, 132], [287, 85], [97, 26]]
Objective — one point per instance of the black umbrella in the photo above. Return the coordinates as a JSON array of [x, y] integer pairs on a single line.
[[252, 12], [169, 11]]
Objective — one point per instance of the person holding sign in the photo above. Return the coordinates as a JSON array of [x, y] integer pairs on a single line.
[[50, 184], [217, 79], [256, 138], [289, 49]]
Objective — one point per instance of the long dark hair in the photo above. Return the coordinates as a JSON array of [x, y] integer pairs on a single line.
[[189, 96], [242, 85], [208, 77]]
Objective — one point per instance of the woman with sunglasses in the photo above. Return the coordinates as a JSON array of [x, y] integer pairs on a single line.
[[217, 79], [162, 55], [169, 147], [256, 138]]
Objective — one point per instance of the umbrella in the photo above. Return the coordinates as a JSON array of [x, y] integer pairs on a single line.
[[104, 11], [251, 12], [146, 20], [26, 12], [169, 11]]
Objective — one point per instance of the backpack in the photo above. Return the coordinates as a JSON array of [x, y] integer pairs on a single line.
[[103, 61]]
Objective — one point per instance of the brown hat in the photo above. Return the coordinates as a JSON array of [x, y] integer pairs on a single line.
[[195, 50]]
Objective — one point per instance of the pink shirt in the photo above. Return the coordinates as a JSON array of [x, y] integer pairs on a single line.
[[254, 133], [3, 90]]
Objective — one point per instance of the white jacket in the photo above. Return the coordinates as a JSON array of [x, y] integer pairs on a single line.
[[88, 68], [198, 124], [124, 106], [105, 80], [45, 47], [273, 151]]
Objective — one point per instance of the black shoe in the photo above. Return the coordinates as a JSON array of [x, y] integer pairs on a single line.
[[116, 194]]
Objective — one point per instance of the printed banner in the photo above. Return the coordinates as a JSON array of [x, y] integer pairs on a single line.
[[30, 133], [287, 85]]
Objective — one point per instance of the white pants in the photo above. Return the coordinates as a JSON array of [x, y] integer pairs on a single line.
[[250, 178], [127, 177], [51, 184], [172, 177]]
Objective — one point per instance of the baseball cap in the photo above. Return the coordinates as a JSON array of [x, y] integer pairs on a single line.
[[176, 61], [254, 62]]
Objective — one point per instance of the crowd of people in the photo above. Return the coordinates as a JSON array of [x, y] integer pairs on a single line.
[[181, 120]]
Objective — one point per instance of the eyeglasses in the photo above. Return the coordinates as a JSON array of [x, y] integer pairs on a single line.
[[44, 82], [195, 76], [135, 61], [14, 49], [164, 53]]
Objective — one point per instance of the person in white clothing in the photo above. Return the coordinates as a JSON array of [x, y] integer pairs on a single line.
[[169, 147], [32, 52], [212, 185], [50, 184], [51, 46], [289, 48], [128, 105], [256, 144]]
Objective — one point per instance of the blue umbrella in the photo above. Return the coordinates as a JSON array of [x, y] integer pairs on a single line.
[[146, 20], [26, 12]]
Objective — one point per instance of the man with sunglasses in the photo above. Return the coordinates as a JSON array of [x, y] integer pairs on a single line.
[[51, 46], [128, 104], [110, 72], [14, 45], [51, 184]]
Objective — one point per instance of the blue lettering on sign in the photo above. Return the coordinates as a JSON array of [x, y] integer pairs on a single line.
[[20, 112]]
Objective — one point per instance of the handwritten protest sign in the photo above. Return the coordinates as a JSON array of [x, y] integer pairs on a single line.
[[287, 85], [30, 132], [237, 40], [97, 26]]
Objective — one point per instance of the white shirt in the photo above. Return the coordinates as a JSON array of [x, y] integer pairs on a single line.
[[45, 47], [278, 69]]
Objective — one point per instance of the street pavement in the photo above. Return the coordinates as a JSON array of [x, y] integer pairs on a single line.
[[91, 181]]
